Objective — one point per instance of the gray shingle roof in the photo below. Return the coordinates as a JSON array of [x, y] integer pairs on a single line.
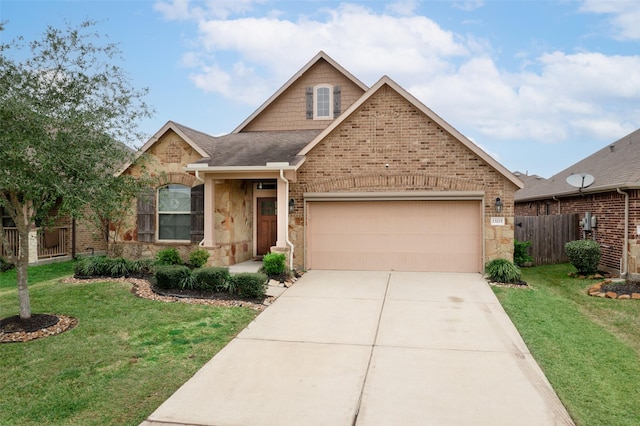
[[254, 148], [615, 166]]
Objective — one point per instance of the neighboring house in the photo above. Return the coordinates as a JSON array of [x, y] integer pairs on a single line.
[[613, 199], [334, 174], [64, 240]]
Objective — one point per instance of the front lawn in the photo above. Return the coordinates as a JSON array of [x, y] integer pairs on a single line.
[[124, 358], [588, 347]]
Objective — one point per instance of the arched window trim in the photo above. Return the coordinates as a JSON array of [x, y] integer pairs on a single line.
[[325, 113]]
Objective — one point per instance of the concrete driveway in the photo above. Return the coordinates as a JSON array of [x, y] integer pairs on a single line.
[[372, 348]]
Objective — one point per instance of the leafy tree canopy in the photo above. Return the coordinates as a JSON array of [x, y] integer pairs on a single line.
[[67, 114]]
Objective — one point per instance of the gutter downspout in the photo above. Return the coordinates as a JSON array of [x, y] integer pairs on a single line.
[[625, 255], [286, 231]]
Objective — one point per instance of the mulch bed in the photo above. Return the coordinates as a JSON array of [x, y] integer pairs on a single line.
[[13, 330], [622, 288]]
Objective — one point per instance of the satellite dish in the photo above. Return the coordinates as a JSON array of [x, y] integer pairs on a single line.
[[580, 180]]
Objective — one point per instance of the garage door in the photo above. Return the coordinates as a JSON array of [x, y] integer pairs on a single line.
[[395, 235]]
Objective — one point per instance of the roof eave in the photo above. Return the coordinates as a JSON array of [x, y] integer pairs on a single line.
[[576, 192]]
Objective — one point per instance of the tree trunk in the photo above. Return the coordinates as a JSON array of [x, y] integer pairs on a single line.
[[22, 263]]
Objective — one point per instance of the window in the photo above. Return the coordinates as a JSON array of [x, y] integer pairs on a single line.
[[323, 102], [174, 213]]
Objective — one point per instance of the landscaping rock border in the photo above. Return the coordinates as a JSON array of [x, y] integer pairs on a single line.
[[597, 290]]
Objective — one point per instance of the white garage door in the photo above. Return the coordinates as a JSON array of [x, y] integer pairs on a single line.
[[443, 236]]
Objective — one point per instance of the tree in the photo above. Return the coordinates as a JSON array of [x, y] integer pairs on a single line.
[[65, 111]]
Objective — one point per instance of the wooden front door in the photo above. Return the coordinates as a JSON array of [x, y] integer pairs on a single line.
[[267, 232]]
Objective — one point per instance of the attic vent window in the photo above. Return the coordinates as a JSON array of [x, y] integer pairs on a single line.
[[173, 153], [323, 102]]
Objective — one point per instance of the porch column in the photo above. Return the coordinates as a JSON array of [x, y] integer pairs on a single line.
[[209, 211], [283, 212]]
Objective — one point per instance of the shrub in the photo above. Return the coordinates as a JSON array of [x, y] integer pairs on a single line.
[[171, 276], [117, 267], [141, 267], [198, 258], [584, 255], [521, 255], [81, 268], [249, 285], [211, 279], [169, 256], [274, 263], [502, 271], [98, 266], [5, 265]]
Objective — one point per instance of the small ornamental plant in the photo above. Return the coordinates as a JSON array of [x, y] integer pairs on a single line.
[[503, 271]]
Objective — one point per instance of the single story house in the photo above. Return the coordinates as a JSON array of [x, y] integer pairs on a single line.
[[612, 201], [334, 174]]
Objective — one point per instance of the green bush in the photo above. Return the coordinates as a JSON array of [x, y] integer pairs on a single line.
[[198, 258], [584, 255], [141, 267], [211, 279], [5, 265], [249, 285], [98, 266], [168, 256], [118, 267], [171, 276], [274, 263], [81, 268], [521, 254], [502, 271]]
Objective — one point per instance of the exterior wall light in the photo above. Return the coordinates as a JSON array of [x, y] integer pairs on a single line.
[[292, 205], [498, 205]]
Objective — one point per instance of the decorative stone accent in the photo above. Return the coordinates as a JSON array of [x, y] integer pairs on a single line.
[[611, 295], [596, 291]]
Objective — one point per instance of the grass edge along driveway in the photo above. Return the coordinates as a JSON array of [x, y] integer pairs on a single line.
[[588, 347], [124, 358]]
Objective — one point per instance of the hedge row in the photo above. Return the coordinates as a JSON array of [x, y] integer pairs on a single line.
[[213, 279]]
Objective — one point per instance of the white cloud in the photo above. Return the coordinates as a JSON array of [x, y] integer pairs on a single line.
[[402, 7], [186, 9], [554, 97], [625, 16], [468, 5]]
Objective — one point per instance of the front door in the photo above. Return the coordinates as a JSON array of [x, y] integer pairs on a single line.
[[267, 232]]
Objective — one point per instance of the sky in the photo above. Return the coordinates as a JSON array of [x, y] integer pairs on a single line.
[[538, 85]]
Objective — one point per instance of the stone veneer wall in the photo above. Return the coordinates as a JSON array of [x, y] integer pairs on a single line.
[[233, 209], [608, 207], [421, 156]]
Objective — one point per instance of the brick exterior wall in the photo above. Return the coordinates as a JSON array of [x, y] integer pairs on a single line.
[[387, 129], [288, 111], [608, 208]]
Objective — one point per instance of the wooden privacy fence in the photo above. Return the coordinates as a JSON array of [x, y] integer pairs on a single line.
[[548, 235]]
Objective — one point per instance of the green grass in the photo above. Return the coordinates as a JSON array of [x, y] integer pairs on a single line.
[[123, 359], [588, 347]]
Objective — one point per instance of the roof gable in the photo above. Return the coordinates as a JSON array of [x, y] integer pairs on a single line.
[[386, 81], [318, 59], [198, 141]]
